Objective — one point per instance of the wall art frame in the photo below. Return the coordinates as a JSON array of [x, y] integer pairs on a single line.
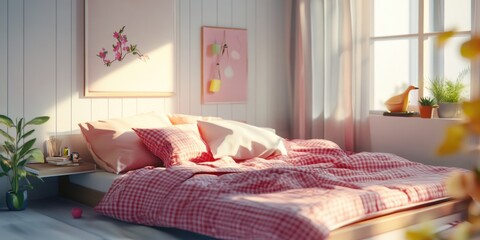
[[149, 28], [224, 65]]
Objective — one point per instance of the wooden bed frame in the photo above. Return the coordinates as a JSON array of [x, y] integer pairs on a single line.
[[360, 230]]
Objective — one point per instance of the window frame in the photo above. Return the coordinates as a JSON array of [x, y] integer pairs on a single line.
[[421, 36]]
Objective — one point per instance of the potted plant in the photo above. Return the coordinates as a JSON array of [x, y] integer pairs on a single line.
[[448, 94], [426, 107], [18, 150]]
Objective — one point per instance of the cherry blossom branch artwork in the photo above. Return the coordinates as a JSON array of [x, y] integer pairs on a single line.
[[130, 48], [121, 49]]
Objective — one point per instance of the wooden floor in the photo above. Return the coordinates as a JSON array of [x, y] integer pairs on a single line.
[[51, 219]]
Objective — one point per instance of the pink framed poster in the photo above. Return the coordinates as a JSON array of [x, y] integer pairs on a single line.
[[224, 65]]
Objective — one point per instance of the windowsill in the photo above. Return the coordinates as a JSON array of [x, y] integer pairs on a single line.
[[435, 118]]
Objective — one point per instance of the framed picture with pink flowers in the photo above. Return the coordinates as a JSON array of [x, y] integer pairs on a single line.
[[129, 48]]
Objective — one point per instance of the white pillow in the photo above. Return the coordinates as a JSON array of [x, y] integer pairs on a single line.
[[239, 140], [176, 119]]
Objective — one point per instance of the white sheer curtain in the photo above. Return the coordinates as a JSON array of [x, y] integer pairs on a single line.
[[330, 71]]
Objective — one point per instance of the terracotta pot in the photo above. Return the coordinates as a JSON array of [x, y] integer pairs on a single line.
[[426, 111]]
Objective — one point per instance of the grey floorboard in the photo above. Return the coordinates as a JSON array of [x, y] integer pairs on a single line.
[[51, 219]]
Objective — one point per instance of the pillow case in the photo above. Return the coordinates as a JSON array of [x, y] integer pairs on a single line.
[[188, 119], [176, 145], [240, 140], [114, 145]]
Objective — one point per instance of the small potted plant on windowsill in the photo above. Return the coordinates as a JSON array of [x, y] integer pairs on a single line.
[[426, 107], [18, 151], [448, 94]]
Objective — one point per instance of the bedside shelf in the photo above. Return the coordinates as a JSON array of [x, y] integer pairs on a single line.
[[49, 170]]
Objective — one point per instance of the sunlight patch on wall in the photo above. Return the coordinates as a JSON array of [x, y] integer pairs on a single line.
[[136, 80]]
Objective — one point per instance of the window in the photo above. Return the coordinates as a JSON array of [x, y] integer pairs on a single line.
[[403, 50]]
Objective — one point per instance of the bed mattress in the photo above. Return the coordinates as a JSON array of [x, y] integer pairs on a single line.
[[99, 180]]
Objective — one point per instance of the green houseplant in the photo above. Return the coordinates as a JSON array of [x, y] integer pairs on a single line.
[[426, 107], [448, 94], [18, 151]]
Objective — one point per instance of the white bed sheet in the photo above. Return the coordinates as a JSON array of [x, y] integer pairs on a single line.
[[99, 180]]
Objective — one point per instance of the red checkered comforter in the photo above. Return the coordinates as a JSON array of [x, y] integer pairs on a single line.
[[316, 188]]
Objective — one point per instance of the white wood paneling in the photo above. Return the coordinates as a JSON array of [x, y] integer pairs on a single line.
[[130, 106], [261, 55], [224, 19], [115, 108], [42, 63], [63, 80], [3, 56], [183, 34], [195, 56], [278, 80], [209, 18], [239, 20], [40, 68], [252, 61], [15, 59], [81, 107]]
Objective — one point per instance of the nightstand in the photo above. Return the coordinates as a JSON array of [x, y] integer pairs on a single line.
[[43, 170]]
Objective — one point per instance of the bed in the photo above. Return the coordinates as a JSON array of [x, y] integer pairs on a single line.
[[293, 189]]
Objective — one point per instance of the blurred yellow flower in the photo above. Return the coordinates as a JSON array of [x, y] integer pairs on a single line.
[[455, 185], [453, 140], [462, 231], [456, 134], [471, 48], [424, 232], [444, 37], [472, 112]]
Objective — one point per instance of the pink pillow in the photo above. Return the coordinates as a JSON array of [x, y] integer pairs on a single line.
[[116, 148], [240, 140], [176, 145], [188, 119]]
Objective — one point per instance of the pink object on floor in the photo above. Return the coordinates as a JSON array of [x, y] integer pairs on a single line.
[[77, 212]]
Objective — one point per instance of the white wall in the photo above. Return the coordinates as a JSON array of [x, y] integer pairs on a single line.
[[42, 64], [416, 139]]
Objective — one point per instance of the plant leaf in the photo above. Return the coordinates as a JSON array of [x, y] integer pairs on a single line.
[[6, 121], [25, 147], [15, 201], [9, 147], [38, 120], [35, 176], [27, 134], [22, 173], [37, 155], [22, 162], [19, 125], [6, 135], [5, 164], [29, 185]]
